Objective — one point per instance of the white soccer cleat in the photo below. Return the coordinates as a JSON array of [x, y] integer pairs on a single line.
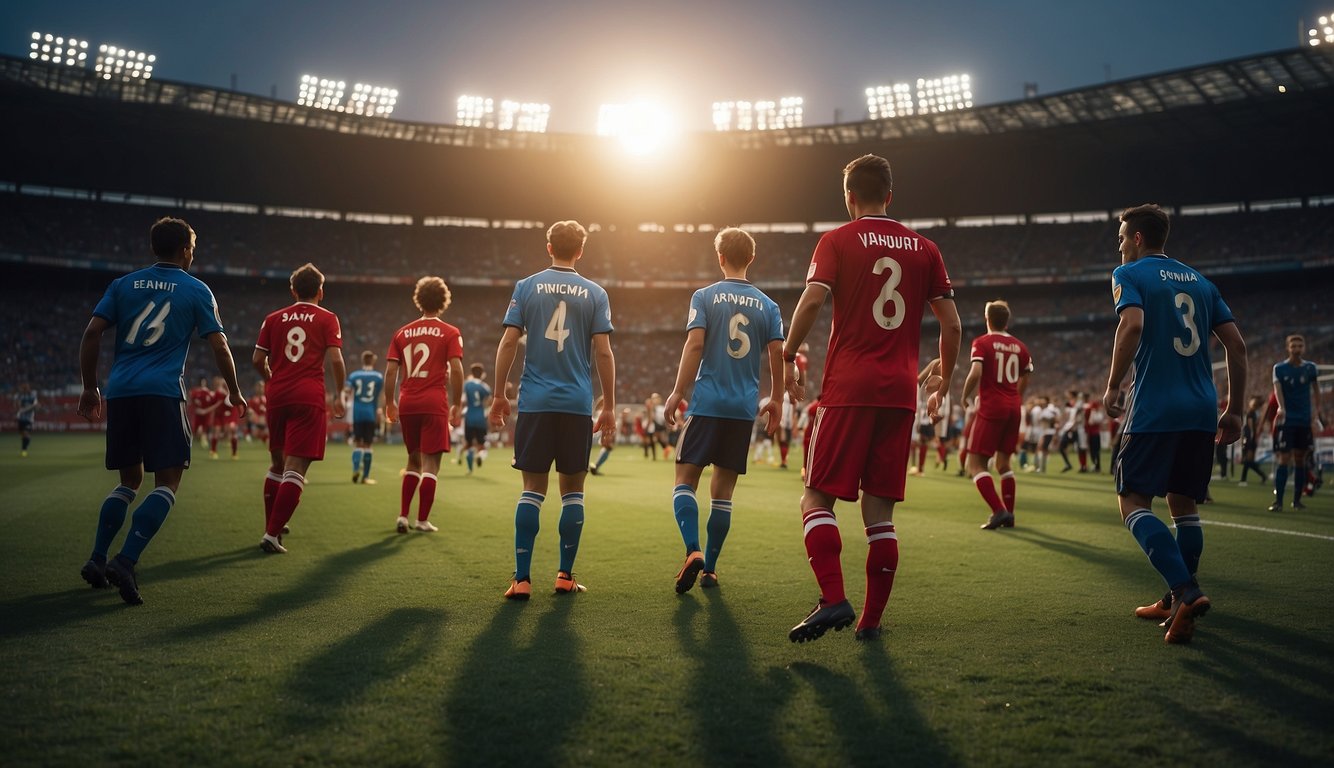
[[425, 526], [402, 525]]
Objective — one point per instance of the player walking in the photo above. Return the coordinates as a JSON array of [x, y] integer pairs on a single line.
[[731, 328], [26, 399], [364, 388], [881, 275], [1296, 387], [573, 316], [475, 394], [1167, 447]]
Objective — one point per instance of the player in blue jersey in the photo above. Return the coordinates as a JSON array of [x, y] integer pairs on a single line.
[[475, 396], [155, 311], [1295, 386], [26, 399], [1168, 311], [731, 330], [363, 389], [568, 321]]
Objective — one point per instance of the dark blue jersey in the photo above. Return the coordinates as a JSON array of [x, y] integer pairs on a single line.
[[475, 393], [1295, 381]]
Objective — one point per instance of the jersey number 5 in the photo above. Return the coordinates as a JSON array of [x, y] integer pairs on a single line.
[[741, 338], [156, 326], [1192, 344]]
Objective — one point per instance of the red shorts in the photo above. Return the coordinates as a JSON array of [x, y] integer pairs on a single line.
[[204, 422], [425, 432], [992, 436], [859, 447], [298, 430]]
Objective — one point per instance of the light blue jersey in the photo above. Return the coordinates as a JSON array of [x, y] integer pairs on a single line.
[[560, 310], [1295, 381], [1173, 390], [739, 321], [156, 311], [475, 393], [366, 386]]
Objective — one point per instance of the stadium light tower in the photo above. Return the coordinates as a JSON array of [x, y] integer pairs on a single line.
[[884, 101], [528, 117], [1323, 33], [476, 112], [116, 63], [325, 93], [374, 100], [758, 115], [67, 51], [944, 94]]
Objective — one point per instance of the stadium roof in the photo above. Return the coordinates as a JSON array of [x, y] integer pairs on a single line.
[[1256, 78]]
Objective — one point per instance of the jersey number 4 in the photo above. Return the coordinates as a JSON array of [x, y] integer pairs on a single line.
[[556, 330], [156, 326]]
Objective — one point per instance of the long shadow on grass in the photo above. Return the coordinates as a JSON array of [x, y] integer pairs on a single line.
[[878, 727], [327, 684], [1113, 560], [734, 708], [517, 703], [41, 613], [320, 583]]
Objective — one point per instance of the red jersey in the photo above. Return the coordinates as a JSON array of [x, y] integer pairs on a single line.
[[1004, 361], [202, 400], [423, 349], [296, 339], [226, 413], [259, 407], [881, 275]]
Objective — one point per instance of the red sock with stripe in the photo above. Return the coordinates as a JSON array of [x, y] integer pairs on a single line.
[[1007, 490], [285, 501], [823, 547], [410, 481], [882, 560], [271, 481], [427, 496], [987, 487]]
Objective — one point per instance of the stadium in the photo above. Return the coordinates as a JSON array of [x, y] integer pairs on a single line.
[[361, 642]]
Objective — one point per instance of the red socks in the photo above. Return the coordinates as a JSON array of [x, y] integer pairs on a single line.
[[271, 481], [987, 487], [410, 481], [285, 502], [823, 547], [428, 482], [882, 560], [1007, 490]]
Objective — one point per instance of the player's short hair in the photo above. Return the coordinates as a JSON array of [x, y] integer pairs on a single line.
[[736, 246], [477, 370], [1150, 221], [307, 281], [998, 314], [1296, 337], [368, 358], [168, 236], [567, 239], [431, 295], [869, 178]]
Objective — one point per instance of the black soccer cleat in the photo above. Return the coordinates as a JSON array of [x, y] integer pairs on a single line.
[[869, 634], [1298, 504], [822, 619], [95, 574], [998, 519], [1276, 507], [120, 572]]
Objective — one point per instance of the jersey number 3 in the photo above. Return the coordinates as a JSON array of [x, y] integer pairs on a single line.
[[1192, 344]]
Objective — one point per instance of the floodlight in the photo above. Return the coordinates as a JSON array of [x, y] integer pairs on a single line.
[[757, 115], [1323, 33], [114, 62], [944, 94], [375, 100], [528, 117], [66, 51], [476, 112]]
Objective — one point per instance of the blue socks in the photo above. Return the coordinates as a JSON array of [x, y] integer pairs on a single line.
[[146, 522], [571, 527], [366, 455], [1190, 540], [469, 454], [720, 522], [602, 458], [1157, 542], [111, 519], [686, 509], [1280, 483], [527, 517], [356, 461]]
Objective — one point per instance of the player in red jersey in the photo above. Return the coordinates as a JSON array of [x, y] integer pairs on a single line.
[[429, 353], [259, 413], [881, 276], [294, 345], [203, 403], [227, 423], [999, 375]]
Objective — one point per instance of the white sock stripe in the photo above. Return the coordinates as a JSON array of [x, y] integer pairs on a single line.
[[532, 496], [572, 497], [410, 473], [1007, 474], [1135, 517], [294, 477], [870, 528], [428, 474], [1189, 521], [274, 476], [818, 521], [687, 493], [123, 492], [720, 503], [980, 475], [879, 536], [164, 492]]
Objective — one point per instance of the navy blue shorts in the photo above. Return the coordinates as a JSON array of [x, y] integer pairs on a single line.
[[1159, 463], [364, 431], [148, 430], [713, 440], [1293, 438], [541, 438], [474, 435]]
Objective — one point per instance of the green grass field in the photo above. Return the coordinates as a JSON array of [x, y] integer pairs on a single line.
[[363, 647]]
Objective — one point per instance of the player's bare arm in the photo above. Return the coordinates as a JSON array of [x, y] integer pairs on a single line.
[[971, 381], [334, 357], [1315, 405], [456, 391], [505, 352], [691, 354], [260, 362], [222, 355], [951, 336], [1128, 331], [1234, 347], [391, 391], [775, 387], [90, 400], [606, 363], [803, 318]]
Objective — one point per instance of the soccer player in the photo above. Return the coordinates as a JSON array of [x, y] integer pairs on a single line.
[[295, 344], [26, 415], [204, 404], [731, 330], [1250, 439], [1296, 387], [364, 388], [604, 451], [227, 421], [429, 353], [259, 413], [476, 394], [1167, 312], [573, 317], [999, 370], [881, 276], [155, 311]]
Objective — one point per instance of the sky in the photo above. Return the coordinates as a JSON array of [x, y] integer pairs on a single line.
[[683, 54]]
